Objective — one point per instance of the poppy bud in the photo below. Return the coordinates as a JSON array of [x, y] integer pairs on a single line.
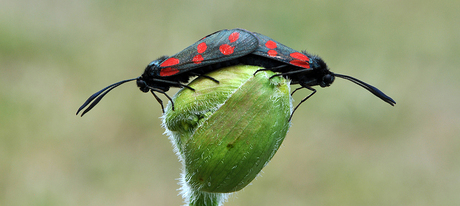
[[225, 133]]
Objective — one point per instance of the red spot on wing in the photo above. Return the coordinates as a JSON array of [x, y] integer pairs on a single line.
[[197, 59], [168, 71], [300, 63], [170, 62], [270, 44], [201, 47], [300, 60], [233, 37], [272, 53], [226, 49], [299, 56]]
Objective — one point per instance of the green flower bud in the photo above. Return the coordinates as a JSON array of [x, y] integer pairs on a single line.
[[225, 133]]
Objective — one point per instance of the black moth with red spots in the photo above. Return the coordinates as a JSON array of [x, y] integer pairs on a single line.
[[227, 48], [304, 69], [217, 50]]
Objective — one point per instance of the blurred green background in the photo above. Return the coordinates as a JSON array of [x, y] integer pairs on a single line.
[[345, 146]]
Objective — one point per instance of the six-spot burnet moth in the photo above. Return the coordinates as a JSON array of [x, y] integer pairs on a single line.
[[227, 48]]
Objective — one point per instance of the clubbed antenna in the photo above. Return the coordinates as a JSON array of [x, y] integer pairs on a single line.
[[99, 95], [370, 88]]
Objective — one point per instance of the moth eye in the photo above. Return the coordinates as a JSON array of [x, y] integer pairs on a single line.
[[142, 85], [327, 80]]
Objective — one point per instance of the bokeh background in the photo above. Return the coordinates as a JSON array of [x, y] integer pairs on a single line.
[[345, 146]]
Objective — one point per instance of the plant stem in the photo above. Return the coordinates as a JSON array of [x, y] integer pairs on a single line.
[[199, 198]]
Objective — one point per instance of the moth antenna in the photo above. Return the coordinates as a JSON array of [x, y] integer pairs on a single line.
[[99, 95], [370, 88]]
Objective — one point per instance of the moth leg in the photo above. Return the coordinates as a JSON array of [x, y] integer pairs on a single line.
[[296, 90], [259, 70], [290, 72], [176, 83], [159, 100], [304, 99], [186, 86], [207, 77]]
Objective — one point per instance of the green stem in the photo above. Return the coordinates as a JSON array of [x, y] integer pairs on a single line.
[[199, 198]]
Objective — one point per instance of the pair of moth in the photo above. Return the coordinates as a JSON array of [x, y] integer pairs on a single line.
[[227, 48]]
